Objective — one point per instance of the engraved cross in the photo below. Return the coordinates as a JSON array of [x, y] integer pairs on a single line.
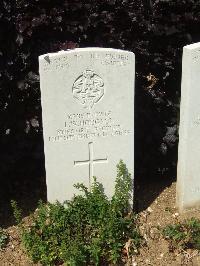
[[91, 161]]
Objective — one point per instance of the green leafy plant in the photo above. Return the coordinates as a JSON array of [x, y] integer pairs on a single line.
[[3, 238], [16, 211], [88, 230], [184, 235]]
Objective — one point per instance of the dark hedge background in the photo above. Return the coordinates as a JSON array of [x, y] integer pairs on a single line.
[[155, 30]]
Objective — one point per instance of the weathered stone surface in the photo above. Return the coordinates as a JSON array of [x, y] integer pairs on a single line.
[[88, 117], [188, 174]]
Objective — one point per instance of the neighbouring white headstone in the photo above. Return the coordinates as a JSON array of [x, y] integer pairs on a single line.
[[88, 117], [188, 172]]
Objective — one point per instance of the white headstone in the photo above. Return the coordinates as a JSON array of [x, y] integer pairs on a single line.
[[88, 117], [188, 172]]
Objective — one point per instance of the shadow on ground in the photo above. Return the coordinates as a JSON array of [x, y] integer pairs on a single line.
[[24, 184], [147, 191]]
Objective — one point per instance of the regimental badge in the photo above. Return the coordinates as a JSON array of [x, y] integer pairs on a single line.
[[88, 88]]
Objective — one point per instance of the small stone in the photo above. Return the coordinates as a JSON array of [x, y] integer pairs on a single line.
[[175, 215], [145, 237], [149, 209]]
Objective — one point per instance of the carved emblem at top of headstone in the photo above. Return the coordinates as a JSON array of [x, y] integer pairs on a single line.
[[88, 88]]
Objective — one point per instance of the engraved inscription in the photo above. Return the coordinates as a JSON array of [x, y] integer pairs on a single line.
[[88, 88], [109, 59], [195, 190], [196, 55], [78, 56], [82, 126], [112, 59], [91, 161], [197, 121], [54, 64]]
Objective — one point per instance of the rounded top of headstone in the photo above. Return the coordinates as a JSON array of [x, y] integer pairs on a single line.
[[193, 46], [87, 49]]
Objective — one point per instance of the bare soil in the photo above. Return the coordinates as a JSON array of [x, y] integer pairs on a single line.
[[157, 211]]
